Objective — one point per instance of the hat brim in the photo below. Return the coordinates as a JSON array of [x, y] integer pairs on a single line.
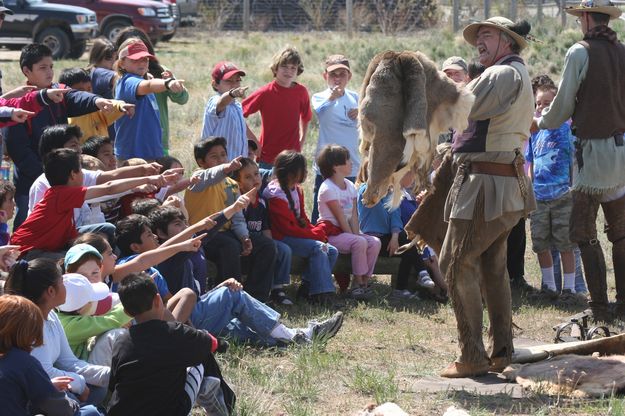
[[470, 33], [455, 67], [232, 73], [100, 291], [138, 55], [612, 11], [337, 66], [5, 10]]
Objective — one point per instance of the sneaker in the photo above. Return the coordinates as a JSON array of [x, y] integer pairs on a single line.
[[325, 330], [544, 295], [425, 280], [398, 294], [300, 338], [568, 298], [519, 284], [278, 297], [359, 293]]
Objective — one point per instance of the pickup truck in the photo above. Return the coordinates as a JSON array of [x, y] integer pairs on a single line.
[[64, 29], [153, 17]]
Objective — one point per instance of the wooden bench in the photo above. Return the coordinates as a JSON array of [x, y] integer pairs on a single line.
[[384, 265]]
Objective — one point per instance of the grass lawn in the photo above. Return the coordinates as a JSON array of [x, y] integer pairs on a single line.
[[383, 348]]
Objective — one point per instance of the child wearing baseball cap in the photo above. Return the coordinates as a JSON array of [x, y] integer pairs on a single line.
[[223, 114], [80, 323], [141, 135]]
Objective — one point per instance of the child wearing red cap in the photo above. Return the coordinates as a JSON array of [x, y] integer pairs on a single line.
[[139, 136], [223, 114]]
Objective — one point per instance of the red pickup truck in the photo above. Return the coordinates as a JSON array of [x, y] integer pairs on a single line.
[[155, 18]]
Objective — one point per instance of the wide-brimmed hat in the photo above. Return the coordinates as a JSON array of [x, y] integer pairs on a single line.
[[498, 22], [595, 6], [4, 9]]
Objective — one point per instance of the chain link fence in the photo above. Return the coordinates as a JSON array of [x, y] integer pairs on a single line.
[[385, 16], [382, 16]]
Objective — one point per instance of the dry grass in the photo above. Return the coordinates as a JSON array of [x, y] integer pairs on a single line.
[[383, 348]]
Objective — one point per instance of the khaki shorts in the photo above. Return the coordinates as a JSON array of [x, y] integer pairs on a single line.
[[549, 224]]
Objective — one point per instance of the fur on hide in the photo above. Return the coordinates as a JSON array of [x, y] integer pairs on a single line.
[[405, 103], [428, 220], [572, 375]]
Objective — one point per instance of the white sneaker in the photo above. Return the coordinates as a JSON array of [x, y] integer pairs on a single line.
[[425, 280]]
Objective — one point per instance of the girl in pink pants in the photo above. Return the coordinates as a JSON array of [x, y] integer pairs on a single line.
[[338, 215]]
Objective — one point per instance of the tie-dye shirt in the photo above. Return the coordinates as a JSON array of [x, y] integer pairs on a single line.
[[551, 153]]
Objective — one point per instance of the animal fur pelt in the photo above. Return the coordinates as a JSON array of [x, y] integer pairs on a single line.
[[572, 375], [405, 103], [428, 221]]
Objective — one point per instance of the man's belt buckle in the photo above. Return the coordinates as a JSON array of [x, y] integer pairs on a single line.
[[618, 139]]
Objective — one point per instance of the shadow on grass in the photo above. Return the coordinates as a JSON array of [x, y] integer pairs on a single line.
[[534, 404], [303, 310]]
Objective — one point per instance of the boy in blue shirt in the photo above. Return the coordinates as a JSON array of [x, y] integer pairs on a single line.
[[337, 111], [550, 154]]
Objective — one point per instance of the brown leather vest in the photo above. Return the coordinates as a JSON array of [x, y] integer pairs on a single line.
[[600, 108]]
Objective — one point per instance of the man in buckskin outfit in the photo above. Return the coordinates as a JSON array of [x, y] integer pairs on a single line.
[[592, 93], [489, 195]]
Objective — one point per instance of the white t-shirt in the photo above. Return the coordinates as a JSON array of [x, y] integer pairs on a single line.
[[328, 191]]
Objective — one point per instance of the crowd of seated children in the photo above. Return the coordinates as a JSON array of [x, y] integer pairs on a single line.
[[211, 192]]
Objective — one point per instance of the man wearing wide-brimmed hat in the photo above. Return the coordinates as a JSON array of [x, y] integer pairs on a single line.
[[490, 194], [592, 93]]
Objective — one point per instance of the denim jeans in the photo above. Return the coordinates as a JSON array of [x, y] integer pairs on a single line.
[[282, 272], [235, 313], [321, 259], [580, 284]]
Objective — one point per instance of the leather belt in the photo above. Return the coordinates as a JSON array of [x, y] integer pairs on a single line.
[[491, 168]]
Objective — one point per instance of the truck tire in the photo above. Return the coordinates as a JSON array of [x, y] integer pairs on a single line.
[[77, 49], [112, 29], [167, 38], [55, 39]]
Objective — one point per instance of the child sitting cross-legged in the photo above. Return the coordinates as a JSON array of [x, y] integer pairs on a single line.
[[338, 216], [50, 226], [227, 310], [160, 367], [211, 192]]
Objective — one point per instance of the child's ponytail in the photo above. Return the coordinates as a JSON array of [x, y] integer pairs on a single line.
[[32, 279], [290, 163]]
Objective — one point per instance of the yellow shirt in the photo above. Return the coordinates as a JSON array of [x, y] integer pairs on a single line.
[[96, 123]]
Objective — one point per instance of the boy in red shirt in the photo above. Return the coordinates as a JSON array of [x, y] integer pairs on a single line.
[[284, 107], [50, 226]]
